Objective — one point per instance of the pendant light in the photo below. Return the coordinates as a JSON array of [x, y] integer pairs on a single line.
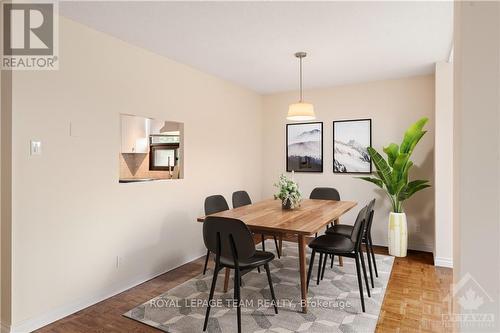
[[301, 111]]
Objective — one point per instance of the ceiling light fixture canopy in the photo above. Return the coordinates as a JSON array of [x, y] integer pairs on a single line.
[[301, 111]]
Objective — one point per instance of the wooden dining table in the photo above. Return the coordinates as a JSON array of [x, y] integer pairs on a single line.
[[268, 216]]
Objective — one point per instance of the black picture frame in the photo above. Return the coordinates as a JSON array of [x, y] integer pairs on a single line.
[[335, 166], [310, 165]]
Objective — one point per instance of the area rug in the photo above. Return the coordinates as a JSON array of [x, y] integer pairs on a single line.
[[333, 305]]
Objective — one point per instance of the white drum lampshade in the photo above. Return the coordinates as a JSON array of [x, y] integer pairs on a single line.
[[301, 111]]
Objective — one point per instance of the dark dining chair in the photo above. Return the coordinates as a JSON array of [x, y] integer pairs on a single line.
[[234, 248], [214, 204], [241, 198], [346, 230], [342, 246], [325, 193]]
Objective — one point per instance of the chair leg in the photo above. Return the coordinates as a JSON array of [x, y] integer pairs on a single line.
[[367, 248], [373, 255], [324, 265], [211, 296], [271, 288], [277, 247], [237, 296], [360, 284], [311, 264], [258, 269], [331, 264], [319, 267], [362, 257], [263, 242], [206, 262]]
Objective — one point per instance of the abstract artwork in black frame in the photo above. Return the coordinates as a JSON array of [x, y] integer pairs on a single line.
[[304, 147], [350, 141]]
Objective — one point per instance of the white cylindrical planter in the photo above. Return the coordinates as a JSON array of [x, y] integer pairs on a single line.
[[398, 234]]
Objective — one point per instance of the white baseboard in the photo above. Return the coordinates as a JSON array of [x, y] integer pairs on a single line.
[[443, 262], [70, 308]]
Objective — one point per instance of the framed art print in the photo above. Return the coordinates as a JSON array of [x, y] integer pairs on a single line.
[[350, 141], [304, 147]]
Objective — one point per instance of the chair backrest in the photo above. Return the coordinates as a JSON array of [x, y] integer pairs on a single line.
[[325, 193], [215, 204], [357, 230], [241, 198], [369, 216], [220, 234]]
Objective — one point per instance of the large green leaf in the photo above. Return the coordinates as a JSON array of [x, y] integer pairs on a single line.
[[392, 152], [383, 169], [406, 171], [393, 174], [374, 180], [403, 182], [399, 167], [413, 136], [416, 139], [417, 182], [411, 188]]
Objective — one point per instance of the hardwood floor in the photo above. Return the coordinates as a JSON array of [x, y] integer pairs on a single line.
[[413, 301]]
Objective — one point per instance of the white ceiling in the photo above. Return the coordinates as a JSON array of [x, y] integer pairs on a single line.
[[252, 43]]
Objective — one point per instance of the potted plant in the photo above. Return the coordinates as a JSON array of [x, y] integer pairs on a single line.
[[392, 176], [288, 193]]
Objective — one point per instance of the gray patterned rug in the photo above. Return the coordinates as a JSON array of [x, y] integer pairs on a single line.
[[334, 305]]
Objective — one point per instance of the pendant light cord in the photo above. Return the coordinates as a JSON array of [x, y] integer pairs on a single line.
[[300, 80]]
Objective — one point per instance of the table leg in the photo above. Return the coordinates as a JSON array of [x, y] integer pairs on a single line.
[[341, 261], [281, 244], [303, 275], [226, 280]]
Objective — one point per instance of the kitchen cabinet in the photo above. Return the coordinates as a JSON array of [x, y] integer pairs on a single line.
[[135, 134]]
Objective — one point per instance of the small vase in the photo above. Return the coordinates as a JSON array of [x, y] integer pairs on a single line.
[[398, 234], [286, 204]]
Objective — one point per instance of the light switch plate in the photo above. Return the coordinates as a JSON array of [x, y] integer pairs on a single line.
[[35, 147]]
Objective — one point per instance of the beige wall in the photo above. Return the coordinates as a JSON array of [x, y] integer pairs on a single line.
[[6, 198], [477, 153], [392, 105], [71, 216], [443, 242]]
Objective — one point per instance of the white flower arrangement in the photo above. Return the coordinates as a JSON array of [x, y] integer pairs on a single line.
[[288, 192]]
